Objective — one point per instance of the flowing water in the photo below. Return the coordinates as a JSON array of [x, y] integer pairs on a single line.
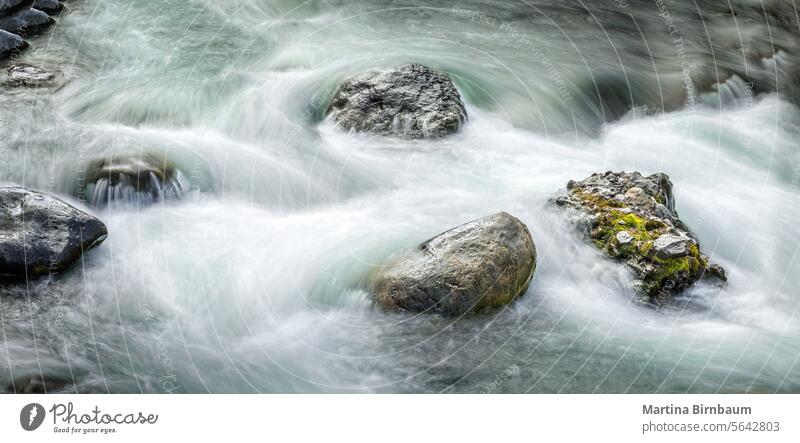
[[252, 281]]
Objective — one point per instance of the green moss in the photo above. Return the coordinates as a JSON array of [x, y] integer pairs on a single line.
[[596, 200], [644, 231], [631, 223], [666, 270]]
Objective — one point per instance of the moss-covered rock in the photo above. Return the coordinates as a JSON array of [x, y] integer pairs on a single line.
[[632, 219]]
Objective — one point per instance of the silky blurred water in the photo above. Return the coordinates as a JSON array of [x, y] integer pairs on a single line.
[[252, 282]]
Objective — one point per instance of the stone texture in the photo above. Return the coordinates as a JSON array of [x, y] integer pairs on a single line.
[[26, 22], [482, 264], [141, 178], [41, 234], [410, 101], [10, 44], [632, 219]]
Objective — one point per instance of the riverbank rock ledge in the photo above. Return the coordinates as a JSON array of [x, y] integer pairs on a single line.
[[632, 219], [41, 234], [482, 264], [411, 101]]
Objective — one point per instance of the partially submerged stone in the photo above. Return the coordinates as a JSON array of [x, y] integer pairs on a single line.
[[41, 234], [410, 101], [632, 219], [140, 178], [482, 264], [29, 76]]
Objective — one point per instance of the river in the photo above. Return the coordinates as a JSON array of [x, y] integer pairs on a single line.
[[251, 283]]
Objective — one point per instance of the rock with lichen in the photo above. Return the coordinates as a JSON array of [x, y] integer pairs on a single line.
[[632, 219]]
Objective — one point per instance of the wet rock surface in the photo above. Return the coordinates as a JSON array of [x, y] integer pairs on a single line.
[[482, 264], [632, 219], [41, 234], [141, 178], [26, 22], [10, 44], [50, 7], [410, 101], [8, 7], [23, 18]]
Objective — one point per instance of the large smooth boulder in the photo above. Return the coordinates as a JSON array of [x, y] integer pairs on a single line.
[[41, 234], [410, 101], [10, 44], [140, 178], [482, 264], [26, 22], [632, 219]]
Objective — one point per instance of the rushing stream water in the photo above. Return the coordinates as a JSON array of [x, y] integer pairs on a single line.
[[251, 281]]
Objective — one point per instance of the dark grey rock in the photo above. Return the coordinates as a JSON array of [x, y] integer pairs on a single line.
[[10, 44], [140, 178], [485, 263], [410, 101], [51, 7], [41, 234], [632, 219], [26, 22], [8, 7]]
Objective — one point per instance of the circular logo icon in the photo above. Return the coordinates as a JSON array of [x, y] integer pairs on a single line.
[[31, 416]]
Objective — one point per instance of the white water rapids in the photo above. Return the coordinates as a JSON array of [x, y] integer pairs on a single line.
[[251, 281]]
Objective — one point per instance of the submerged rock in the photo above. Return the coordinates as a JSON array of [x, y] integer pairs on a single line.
[[26, 22], [485, 263], [632, 219], [38, 384], [41, 234], [410, 101], [133, 178], [30, 76], [10, 44]]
